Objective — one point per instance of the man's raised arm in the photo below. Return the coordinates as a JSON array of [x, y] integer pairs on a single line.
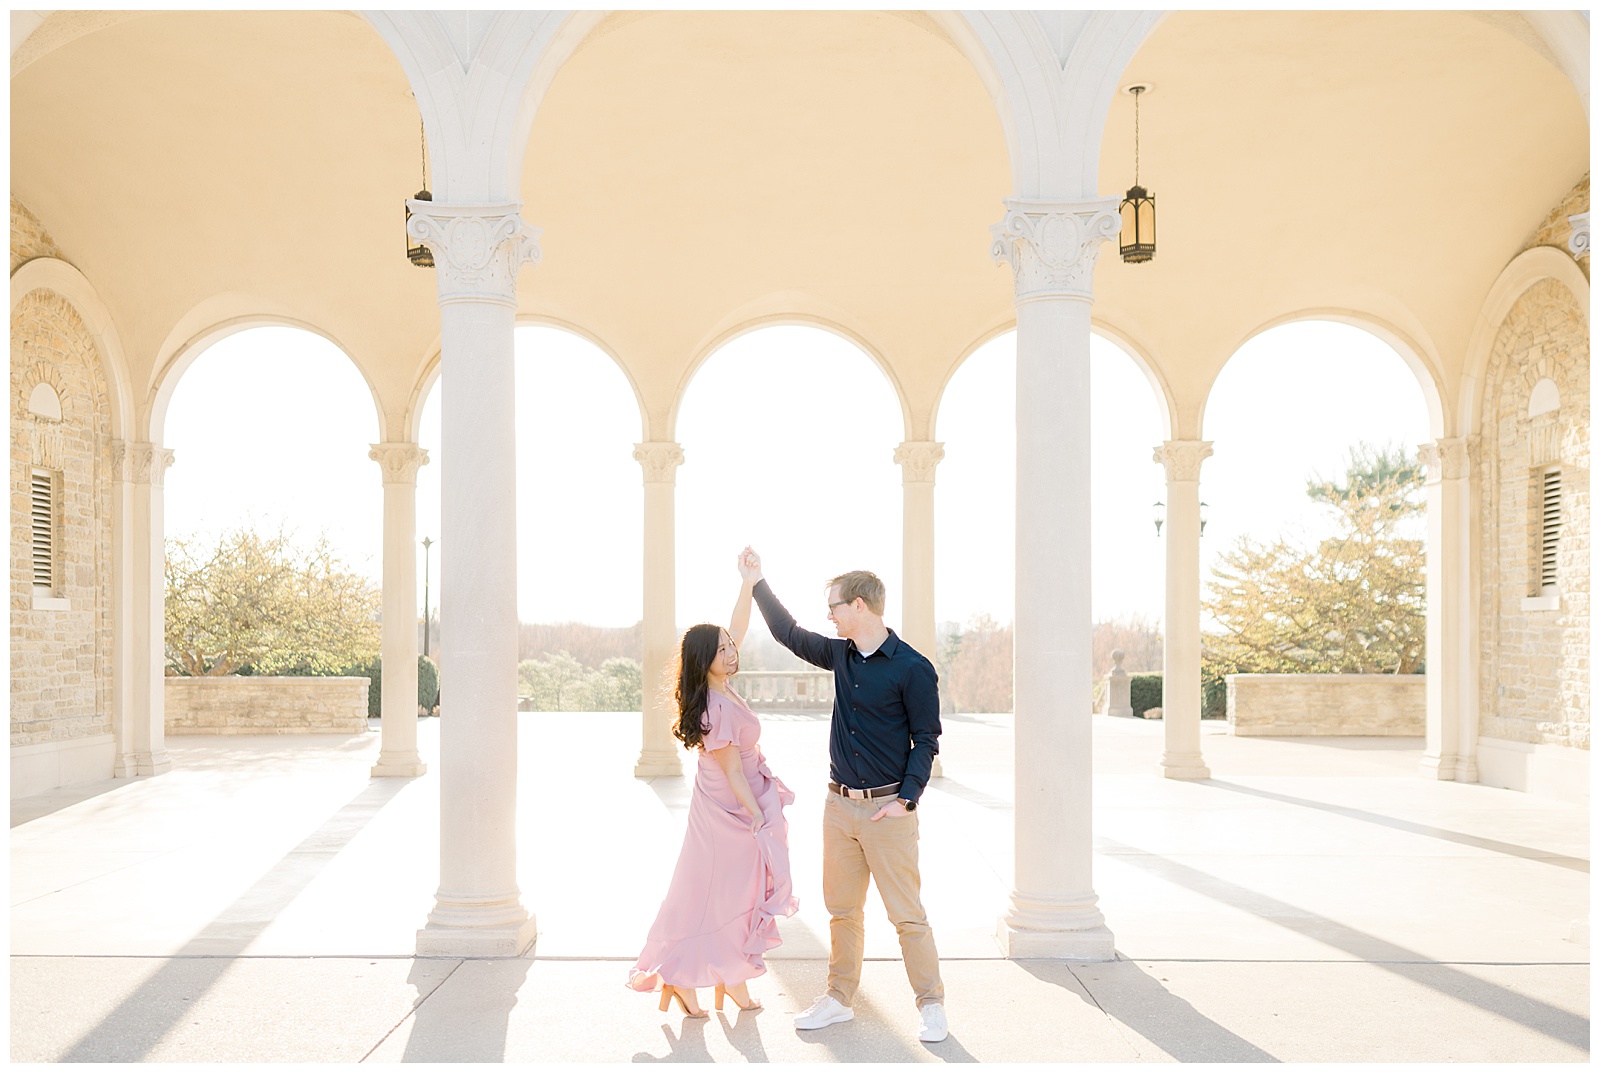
[[811, 647]]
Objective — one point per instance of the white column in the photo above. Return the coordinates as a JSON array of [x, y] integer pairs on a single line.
[[917, 460], [398, 754], [478, 910], [1052, 246], [139, 644], [660, 459], [1452, 731], [1180, 671]]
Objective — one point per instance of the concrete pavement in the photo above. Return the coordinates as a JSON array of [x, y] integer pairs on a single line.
[[1315, 901]]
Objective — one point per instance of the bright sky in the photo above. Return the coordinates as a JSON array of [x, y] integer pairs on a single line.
[[788, 435]]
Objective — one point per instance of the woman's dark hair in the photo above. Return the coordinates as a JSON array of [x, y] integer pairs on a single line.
[[696, 653]]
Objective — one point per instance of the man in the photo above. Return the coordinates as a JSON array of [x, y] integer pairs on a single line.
[[883, 738]]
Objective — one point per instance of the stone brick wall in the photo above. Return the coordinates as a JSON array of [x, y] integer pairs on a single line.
[[229, 704], [1287, 705], [29, 239], [60, 659], [1534, 684], [1554, 230]]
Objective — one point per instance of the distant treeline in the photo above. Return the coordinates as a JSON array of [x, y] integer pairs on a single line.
[[589, 645]]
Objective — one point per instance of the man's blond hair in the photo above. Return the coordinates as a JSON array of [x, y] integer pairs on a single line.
[[862, 583]]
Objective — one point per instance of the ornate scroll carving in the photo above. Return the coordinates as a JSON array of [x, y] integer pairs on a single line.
[[477, 249], [1578, 241], [1182, 458], [917, 460], [399, 461], [140, 463], [1052, 245], [1444, 459], [660, 459]]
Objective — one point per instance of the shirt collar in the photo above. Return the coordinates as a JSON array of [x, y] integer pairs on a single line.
[[890, 644]]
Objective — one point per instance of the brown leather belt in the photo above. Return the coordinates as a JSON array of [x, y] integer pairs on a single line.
[[862, 795]]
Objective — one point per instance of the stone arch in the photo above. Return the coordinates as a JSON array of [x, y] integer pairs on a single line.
[[1136, 352], [798, 320], [428, 377], [1525, 271], [1417, 353], [61, 278], [197, 332]]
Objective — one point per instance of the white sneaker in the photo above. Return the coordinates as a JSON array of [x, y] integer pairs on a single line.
[[827, 1010], [931, 1026]]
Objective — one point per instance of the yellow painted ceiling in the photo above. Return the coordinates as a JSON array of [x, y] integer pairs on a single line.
[[698, 172]]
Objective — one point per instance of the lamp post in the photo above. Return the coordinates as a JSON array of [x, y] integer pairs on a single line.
[[427, 609]]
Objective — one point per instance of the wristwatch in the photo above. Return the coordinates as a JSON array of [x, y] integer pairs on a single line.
[[909, 806]]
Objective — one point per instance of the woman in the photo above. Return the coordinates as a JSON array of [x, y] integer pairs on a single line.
[[732, 879]]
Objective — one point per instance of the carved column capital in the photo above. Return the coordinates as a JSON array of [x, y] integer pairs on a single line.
[[1578, 241], [660, 459], [1446, 459], [1182, 458], [399, 461], [140, 463], [477, 249], [917, 460], [1052, 245]]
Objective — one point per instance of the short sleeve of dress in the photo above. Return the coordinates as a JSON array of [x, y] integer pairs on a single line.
[[720, 718]]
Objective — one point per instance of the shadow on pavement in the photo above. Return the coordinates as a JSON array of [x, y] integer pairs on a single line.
[[1542, 1017], [977, 797], [27, 809], [469, 1020], [1511, 849], [1128, 994], [129, 1032]]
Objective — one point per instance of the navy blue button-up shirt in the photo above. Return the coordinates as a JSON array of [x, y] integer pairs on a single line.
[[885, 706]]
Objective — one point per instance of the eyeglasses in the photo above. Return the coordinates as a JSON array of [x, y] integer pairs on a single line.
[[838, 603]]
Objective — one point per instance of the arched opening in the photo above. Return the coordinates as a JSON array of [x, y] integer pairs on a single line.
[[976, 515], [578, 505], [788, 436], [1317, 541], [1290, 403], [271, 426]]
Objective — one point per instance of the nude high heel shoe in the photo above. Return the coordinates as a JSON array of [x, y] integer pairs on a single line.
[[668, 993], [722, 991]]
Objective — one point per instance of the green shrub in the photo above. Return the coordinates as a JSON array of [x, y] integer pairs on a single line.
[[427, 682], [1144, 692], [1214, 698], [371, 669]]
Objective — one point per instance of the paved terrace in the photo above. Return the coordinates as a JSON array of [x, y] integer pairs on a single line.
[[1315, 901]]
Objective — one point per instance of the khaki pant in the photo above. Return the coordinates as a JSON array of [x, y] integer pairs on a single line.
[[852, 848]]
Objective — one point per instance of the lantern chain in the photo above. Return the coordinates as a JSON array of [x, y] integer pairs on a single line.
[[1136, 92], [422, 136]]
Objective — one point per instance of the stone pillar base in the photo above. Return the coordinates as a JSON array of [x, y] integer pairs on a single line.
[[658, 766], [1467, 769], [1183, 766], [143, 764], [1442, 768], [1088, 944], [399, 767], [506, 941]]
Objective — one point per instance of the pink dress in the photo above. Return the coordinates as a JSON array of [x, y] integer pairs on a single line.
[[720, 913]]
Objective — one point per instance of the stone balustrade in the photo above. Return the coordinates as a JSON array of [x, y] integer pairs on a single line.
[[1290, 705], [233, 704], [781, 691]]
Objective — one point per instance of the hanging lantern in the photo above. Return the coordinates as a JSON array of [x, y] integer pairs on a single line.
[[1158, 515], [1138, 241], [419, 254]]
